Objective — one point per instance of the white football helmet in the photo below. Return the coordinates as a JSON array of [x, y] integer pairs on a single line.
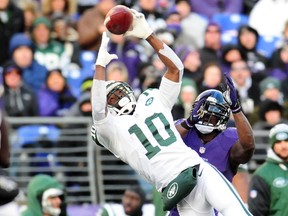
[[126, 101]]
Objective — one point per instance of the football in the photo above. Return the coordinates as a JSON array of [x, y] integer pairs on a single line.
[[118, 20]]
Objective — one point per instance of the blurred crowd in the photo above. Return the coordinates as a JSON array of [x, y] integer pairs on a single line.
[[49, 47]]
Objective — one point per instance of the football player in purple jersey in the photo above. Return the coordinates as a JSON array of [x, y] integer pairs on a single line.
[[205, 131]]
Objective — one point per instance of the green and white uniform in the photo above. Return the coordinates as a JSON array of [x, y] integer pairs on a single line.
[[149, 142]]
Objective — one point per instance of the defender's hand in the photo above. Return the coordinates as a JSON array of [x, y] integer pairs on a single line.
[[140, 28], [104, 57], [195, 115], [231, 95]]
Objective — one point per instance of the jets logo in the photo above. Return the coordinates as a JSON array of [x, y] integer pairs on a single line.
[[172, 191], [149, 101], [280, 182]]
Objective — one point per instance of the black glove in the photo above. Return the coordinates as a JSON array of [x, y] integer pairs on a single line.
[[231, 95]]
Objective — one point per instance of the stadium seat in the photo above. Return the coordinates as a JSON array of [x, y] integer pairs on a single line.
[[267, 44], [230, 24], [28, 134]]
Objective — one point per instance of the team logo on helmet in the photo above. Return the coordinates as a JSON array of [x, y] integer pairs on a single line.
[[172, 191]]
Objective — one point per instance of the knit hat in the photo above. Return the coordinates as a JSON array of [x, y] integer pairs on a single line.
[[138, 190], [19, 39], [278, 133], [86, 84], [189, 85], [269, 83], [183, 51], [10, 66], [269, 105], [41, 20]]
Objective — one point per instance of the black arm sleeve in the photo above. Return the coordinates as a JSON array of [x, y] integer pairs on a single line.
[[259, 196]]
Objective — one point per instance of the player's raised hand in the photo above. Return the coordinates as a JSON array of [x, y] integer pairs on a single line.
[[140, 28], [195, 115], [104, 57], [231, 95]]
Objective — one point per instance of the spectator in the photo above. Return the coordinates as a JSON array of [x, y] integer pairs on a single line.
[[247, 88], [208, 8], [211, 52], [279, 63], [193, 25], [152, 12], [188, 93], [173, 21], [30, 10], [46, 196], [55, 97], [133, 204], [270, 88], [129, 52], [19, 99], [48, 52], [90, 25], [21, 50], [212, 77], [247, 41], [269, 113], [83, 5], [117, 71], [11, 22], [50, 8], [68, 37], [230, 54], [191, 61], [148, 77], [268, 186]]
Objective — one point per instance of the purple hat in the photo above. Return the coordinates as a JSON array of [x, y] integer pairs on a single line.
[[183, 51]]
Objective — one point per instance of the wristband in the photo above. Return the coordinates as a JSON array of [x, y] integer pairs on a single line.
[[237, 108], [186, 124]]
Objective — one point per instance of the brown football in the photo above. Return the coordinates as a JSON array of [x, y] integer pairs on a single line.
[[118, 20]]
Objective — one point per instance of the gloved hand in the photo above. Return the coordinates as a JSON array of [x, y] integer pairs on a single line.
[[104, 57], [140, 28], [94, 137], [196, 114], [231, 95]]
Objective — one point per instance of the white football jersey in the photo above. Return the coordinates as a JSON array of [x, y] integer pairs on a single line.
[[148, 140]]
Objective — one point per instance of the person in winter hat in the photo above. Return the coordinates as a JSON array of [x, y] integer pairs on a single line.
[[268, 193]]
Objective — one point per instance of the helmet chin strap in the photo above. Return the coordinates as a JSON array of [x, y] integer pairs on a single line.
[[206, 129]]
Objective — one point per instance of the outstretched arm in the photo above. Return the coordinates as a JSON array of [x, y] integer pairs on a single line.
[[141, 29], [243, 149], [98, 91]]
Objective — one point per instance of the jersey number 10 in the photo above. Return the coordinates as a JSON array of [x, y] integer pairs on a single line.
[[153, 150]]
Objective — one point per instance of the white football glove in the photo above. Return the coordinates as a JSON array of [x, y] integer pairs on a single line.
[[140, 28], [104, 57]]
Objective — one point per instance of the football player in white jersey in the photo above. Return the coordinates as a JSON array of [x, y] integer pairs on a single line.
[[142, 134]]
